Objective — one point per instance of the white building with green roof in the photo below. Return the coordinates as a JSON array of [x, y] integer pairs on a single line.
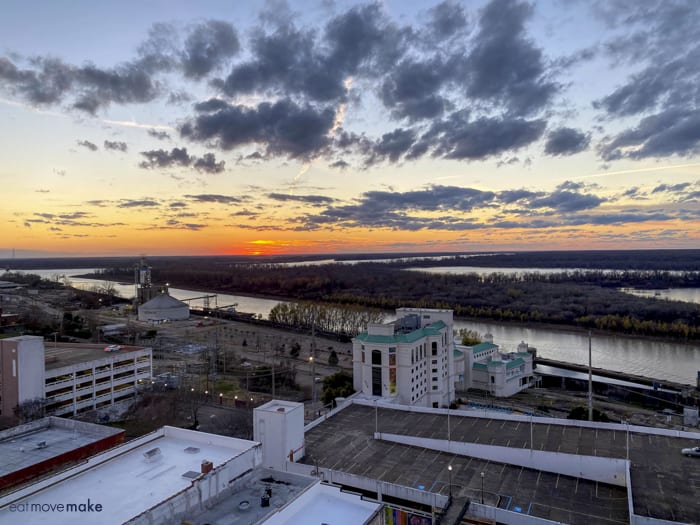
[[409, 361], [499, 374]]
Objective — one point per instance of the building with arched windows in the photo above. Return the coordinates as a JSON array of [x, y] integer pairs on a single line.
[[410, 360]]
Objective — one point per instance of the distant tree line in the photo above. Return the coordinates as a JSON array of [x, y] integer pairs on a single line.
[[577, 297], [342, 319]]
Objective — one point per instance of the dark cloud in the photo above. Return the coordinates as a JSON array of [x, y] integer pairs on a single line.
[[178, 204], [692, 196], [285, 62], [87, 144], [179, 97], [115, 145], [396, 210], [179, 157], [291, 61], [208, 45], [158, 53], [45, 84], [50, 80], [662, 84], [411, 89], [173, 224], [675, 131], [160, 135], [134, 203], [571, 185], [566, 141], [124, 84], [511, 196], [616, 218], [307, 199], [658, 41], [74, 215], [634, 193], [284, 128], [565, 201], [393, 145], [459, 138], [208, 164], [340, 164], [671, 188], [165, 159], [504, 67], [446, 19], [364, 39], [569, 61], [654, 30], [220, 199], [245, 213]]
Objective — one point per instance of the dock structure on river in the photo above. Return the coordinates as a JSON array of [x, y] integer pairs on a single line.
[[610, 377]]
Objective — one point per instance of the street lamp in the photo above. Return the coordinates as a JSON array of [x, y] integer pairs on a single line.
[[449, 473], [313, 379], [482, 488]]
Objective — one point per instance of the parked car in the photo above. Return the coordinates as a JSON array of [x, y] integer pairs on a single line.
[[695, 451], [112, 348]]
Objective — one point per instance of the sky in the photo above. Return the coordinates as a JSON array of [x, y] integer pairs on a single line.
[[163, 127]]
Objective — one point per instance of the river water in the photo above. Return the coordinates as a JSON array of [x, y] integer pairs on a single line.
[[668, 361]]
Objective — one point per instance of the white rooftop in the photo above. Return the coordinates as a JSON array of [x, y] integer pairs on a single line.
[[38, 441], [278, 405], [325, 504], [129, 483]]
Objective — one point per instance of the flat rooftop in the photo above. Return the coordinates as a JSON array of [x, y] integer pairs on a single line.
[[20, 447], [665, 484], [130, 483], [66, 354], [241, 503], [325, 504]]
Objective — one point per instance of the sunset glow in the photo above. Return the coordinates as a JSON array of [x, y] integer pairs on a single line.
[[266, 128]]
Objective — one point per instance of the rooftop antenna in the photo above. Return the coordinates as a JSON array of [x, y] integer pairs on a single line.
[[590, 380]]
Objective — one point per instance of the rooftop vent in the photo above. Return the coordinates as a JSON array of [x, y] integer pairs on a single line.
[[41, 444], [191, 474], [192, 450], [152, 455]]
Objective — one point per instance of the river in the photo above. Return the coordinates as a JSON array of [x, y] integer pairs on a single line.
[[668, 361]]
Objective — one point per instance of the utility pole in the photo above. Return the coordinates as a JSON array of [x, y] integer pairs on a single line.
[[313, 362], [590, 379], [273, 377]]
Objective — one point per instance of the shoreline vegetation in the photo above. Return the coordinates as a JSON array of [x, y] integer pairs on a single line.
[[584, 297]]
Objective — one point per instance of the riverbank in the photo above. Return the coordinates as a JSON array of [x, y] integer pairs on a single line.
[[671, 360]]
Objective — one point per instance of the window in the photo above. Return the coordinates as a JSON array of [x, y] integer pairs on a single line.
[[435, 361], [363, 356], [434, 370], [377, 357], [434, 348], [493, 379]]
